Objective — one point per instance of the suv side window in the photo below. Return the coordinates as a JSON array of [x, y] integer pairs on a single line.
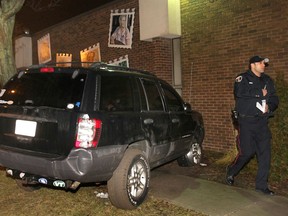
[[174, 103], [153, 96], [116, 94]]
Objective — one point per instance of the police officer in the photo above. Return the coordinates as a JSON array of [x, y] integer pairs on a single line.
[[256, 100]]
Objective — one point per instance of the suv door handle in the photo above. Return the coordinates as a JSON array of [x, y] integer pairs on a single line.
[[148, 121], [175, 120]]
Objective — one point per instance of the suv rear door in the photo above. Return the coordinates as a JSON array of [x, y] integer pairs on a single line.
[[118, 103]]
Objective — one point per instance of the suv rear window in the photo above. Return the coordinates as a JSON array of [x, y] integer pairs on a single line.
[[45, 89]]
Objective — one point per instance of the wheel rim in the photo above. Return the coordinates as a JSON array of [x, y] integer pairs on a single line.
[[195, 153], [137, 180]]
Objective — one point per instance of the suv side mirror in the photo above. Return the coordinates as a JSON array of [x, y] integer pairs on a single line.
[[187, 107]]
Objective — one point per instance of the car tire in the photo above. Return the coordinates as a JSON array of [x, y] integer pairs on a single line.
[[128, 187], [193, 157], [27, 187]]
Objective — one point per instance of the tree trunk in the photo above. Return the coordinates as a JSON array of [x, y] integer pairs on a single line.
[[8, 9]]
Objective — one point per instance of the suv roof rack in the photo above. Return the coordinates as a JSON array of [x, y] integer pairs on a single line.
[[93, 65], [101, 65]]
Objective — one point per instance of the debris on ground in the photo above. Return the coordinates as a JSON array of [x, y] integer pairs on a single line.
[[101, 195]]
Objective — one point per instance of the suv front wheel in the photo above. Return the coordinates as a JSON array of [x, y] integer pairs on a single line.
[[193, 157], [129, 184]]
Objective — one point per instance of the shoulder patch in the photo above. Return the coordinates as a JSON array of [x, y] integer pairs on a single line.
[[238, 79]]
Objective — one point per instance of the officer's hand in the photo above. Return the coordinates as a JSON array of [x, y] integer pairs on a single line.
[[264, 92], [266, 109]]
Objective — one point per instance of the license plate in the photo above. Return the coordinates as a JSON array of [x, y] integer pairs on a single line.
[[26, 128]]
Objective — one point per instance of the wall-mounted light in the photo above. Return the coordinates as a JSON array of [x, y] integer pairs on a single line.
[[26, 31]]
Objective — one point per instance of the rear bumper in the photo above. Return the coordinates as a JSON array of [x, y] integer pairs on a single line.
[[82, 165]]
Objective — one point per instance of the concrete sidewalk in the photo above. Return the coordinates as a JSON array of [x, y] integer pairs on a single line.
[[214, 198]]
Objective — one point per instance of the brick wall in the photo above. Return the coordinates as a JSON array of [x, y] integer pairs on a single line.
[[218, 38], [91, 28]]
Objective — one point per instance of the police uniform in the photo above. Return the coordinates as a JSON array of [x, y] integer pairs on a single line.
[[254, 134]]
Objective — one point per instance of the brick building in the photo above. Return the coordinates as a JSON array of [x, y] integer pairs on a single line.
[[217, 39]]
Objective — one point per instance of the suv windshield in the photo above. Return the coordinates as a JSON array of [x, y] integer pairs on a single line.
[[59, 90]]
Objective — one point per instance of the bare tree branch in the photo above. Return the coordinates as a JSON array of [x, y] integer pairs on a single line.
[[40, 5], [54, 3]]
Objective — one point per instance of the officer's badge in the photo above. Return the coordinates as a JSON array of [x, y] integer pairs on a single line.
[[238, 79]]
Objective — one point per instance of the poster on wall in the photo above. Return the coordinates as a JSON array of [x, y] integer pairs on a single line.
[[44, 49], [122, 61], [90, 55], [23, 52], [63, 59], [121, 28]]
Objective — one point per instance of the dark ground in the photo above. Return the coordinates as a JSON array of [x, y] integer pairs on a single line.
[[58, 202], [212, 170]]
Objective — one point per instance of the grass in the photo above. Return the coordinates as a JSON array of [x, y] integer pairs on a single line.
[[46, 201], [51, 202]]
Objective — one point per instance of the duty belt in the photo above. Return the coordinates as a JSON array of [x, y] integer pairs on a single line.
[[249, 116]]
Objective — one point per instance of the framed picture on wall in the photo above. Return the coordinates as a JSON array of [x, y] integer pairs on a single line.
[[63, 59], [121, 29], [89, 55], [44, 49], [122, 61]]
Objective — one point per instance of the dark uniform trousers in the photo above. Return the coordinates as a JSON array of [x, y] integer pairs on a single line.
[[254, 137]]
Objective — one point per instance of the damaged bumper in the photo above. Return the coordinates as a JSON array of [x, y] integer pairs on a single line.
[[81, 165]]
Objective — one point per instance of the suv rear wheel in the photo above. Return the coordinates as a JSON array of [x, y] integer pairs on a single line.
[[129, 184]]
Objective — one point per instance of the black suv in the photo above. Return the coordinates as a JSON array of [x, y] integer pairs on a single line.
[[62, 126]]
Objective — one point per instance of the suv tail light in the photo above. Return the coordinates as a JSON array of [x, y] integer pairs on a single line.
[[47, 70], [88, 132]]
